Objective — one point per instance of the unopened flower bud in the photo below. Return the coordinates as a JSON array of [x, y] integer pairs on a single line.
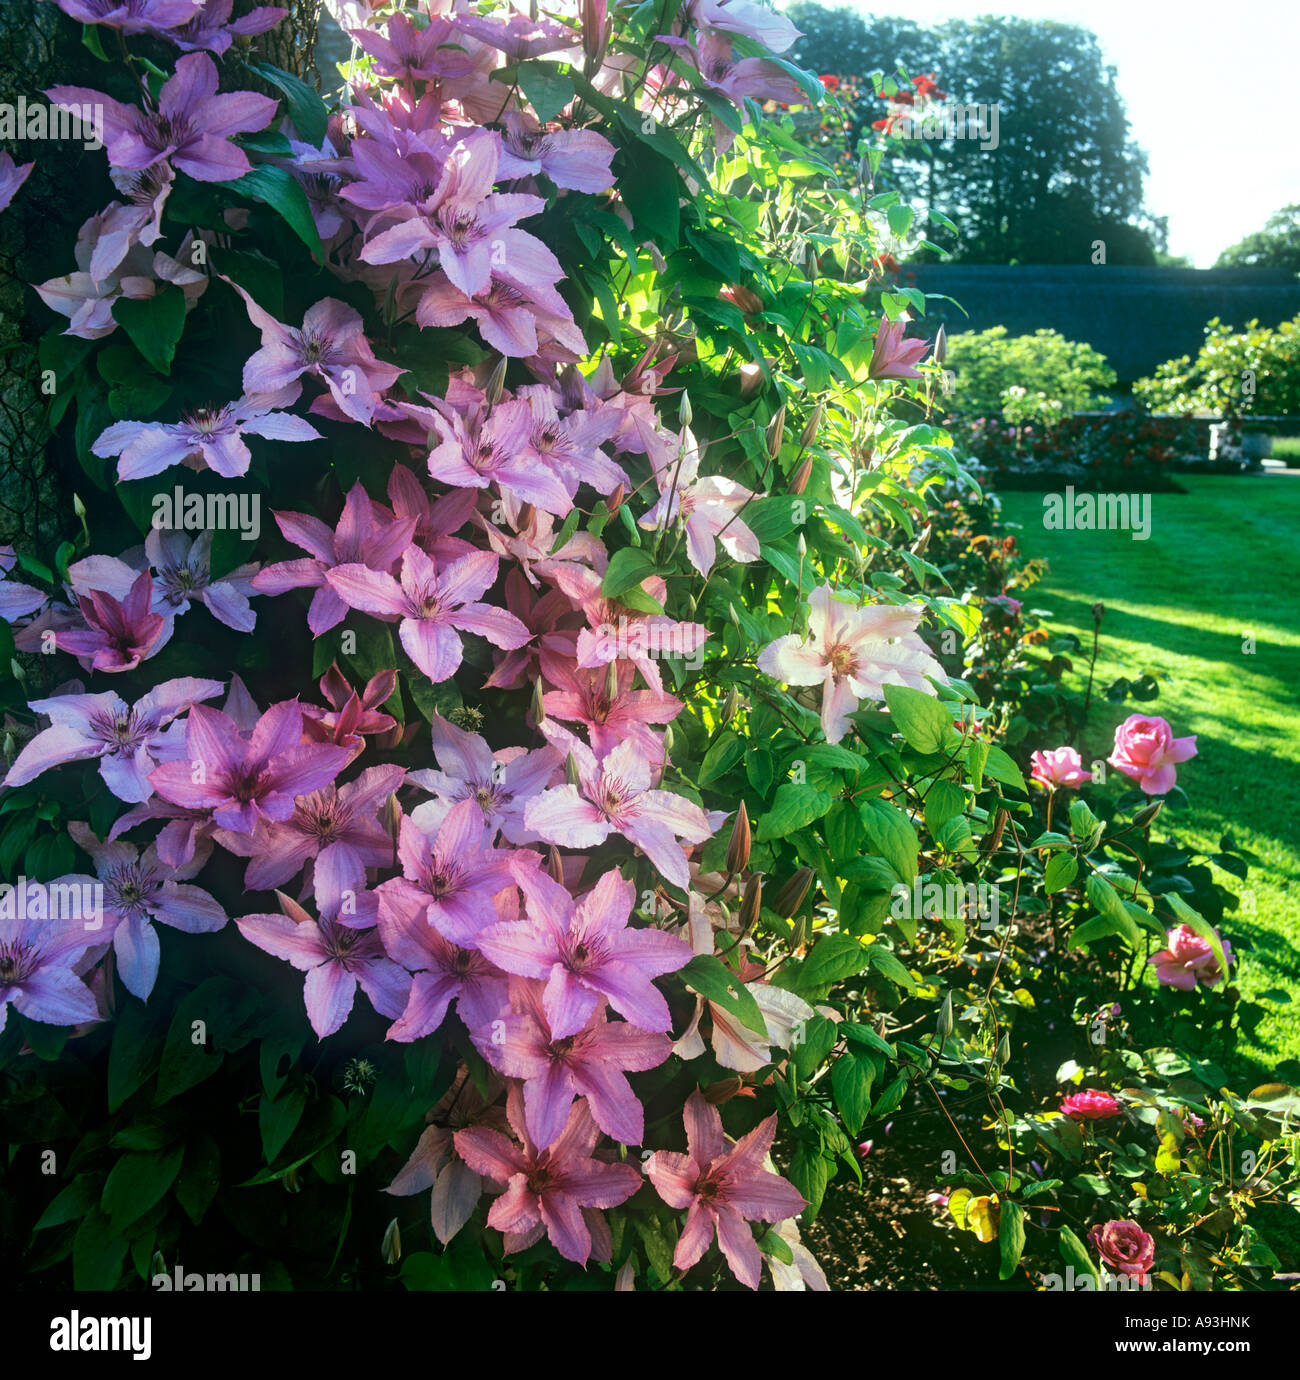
[[615, 501], [791, 896], [611, 681], [78, 507], [750, 903], [943, 1027], [17, 669], [1003, 1055], [391, 1248], [1147, 813], [9, 747], [556, 865], [812, 426], [801, 546], [729, 706], [751, 380], [994, 837], [919, 545], [940, 352], [539, 705], [391, 817], [724, 1091], [685, 413], [669, 738], [799, 933], [739, 844], [571, 773], [776, 432], [291, 1182], [625, 1280], [496, 381], [801, 476]]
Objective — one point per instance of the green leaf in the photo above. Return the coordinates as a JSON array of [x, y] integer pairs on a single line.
[[713, 980], [793, 808], [306, 109], [888, 964], [80, 1197], [278, 1118], [1001, 768], [1072, 1251], [1011, 1238], [134, 1054], [97, 1254], [200, 1177], [1108, 904], [891, 836], [1200, 926], [137, 1181], [627, 568], [892, 1098], [832, 958], [547, 87], [721, 757], [154, 324], [943, 801], [851, 1080], [279, 190], [1061, 871], [809, 1172], [921, 719]]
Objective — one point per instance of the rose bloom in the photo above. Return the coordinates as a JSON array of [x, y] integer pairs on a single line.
[[1060, 767], [1009, 606], [1125, 1247], [1146, 750], [1188, 960], [1090, 1105]]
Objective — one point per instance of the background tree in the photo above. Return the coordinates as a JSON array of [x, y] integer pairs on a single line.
[[1277, 245]]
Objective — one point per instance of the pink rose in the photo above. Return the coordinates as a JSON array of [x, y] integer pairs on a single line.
[[1090, 1105], [1188, 960], [1009, 606], [1125, 1247], [1146, 750], [1060, 767]]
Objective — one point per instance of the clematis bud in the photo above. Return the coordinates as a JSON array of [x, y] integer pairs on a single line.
[[611, 681], [625, 1280], [729, 706], [739, 844], [539, 705], [1003, 1056], [801, 476], [17, 669], [685, 413], [1147, 813], [751, 380], [943, 1027], [799, 934], [615, 501], [525, 519], [812, 426], [776, 432], [556, 865], [571, 773], [801, 546], [10, 747], [922, 541], [391, 818], [747, 300], [750, 903], [724, 1091], [595, 31], [994, 837], [391, 1249], [495, 383], [791, 896], [940, 351], [669, 738], [291, 1182]]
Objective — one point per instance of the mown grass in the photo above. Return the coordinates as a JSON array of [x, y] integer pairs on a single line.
[[1210, 606]]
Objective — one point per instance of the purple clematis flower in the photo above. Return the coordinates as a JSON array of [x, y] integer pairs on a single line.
[[615, 795], [575, 158], [137, 221], [550, 1191], [138, 890], [190, 126], [17, 600], [119, 634], [443, 972], [571, 444], [411, 54], [431, 605], [131, 16], [724, 1188], [449, 880], [610, 718], [519, 36], [12, 176], [499, 784], [243, 780], [129, 740], [210, 437], [512, 318], [331, 344], [183, 571], [590, 1064], [37, 958], [367, 535], [336, 826], [585, 950], [335, 957], [213, 29]]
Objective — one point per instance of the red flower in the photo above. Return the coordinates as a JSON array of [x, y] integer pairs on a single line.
[[830, 83]]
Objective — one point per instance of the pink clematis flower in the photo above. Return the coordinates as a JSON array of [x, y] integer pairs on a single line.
[[335, 828], [853, 652], [722, 1189], [367, 535], [585, 950], [895, 355], [209, 438], [243, 780], [615, 794], [128, 740], [335, 956], [434, 1162], [189, 127], [12, 176], [449, 879], [710, 507], [612, 713], [37, 962], [130, 16], [139, 890], [351, 716], [518, 35], [738, 79], [213, 29], [590, 1064], [430, 605], [550, 1191], [574, 158], [443, 972], [331, 345], [1061, 767], [183, 571], [570, 445], [518, 319], [1188, 959], [1146, 749], [500, 784], [409, 54], [119, 634]]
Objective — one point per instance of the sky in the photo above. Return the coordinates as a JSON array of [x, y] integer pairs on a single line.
[[1210, 92]]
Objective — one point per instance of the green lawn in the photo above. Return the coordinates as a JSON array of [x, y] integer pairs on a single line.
[[1220, 566]]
